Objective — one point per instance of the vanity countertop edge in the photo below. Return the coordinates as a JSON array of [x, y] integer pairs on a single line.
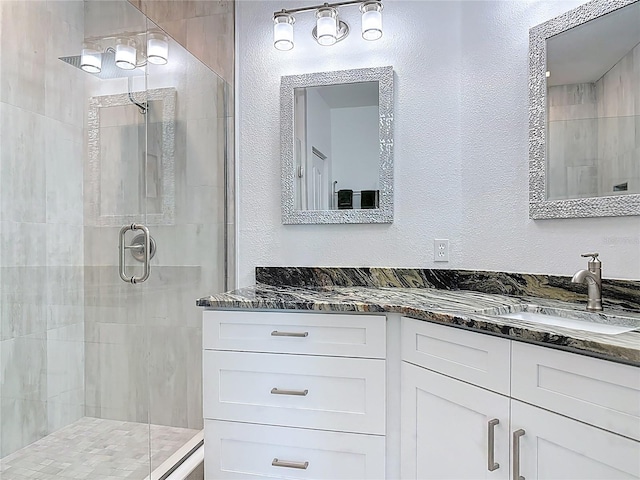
[[456, 308]]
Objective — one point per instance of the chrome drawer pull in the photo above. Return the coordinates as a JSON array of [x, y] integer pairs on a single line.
[[288, 464], [276, 333], [299, 393], [491, 445], [516, 454]]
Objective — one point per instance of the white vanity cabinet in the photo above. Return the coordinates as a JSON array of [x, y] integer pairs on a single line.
[[294, 395], [303, 395], [449, 412]]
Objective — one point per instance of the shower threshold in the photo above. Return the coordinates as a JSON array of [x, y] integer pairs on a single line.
[[95, 448]]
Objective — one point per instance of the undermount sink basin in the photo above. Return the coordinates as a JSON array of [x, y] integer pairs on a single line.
[[602, 323]]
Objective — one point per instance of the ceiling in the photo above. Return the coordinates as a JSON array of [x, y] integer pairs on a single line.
[[585, 53], [350, 95]]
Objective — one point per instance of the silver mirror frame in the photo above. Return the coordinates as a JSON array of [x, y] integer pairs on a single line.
[[92, 207], [539, 206], [383, 214]]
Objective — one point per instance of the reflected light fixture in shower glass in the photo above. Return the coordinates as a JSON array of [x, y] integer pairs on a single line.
[[157, 49], [283, 31], [327, 25], [91, 58], [126, 54], [371, 20]]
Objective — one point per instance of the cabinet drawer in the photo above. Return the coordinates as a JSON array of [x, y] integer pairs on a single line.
[[296, 332], [475, 358], [598, 392], [239, 450], [346, 394]]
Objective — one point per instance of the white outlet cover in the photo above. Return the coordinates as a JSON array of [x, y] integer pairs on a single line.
[[441, 250]]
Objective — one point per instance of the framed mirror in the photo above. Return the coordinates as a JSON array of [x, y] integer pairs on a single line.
[[337, 146], [584, 119]]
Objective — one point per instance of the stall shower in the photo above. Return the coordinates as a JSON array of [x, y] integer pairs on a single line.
[[113, 220]]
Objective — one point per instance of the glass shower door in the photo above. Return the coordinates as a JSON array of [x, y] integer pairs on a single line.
[[100, 338], [190, 259], [118, 252]]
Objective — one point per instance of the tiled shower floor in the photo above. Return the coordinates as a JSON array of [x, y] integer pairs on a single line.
[[96, 449]]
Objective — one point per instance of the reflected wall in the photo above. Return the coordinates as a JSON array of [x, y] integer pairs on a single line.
[[594, 134]]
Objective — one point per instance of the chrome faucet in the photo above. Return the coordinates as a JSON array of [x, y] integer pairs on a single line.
[[593, 278]]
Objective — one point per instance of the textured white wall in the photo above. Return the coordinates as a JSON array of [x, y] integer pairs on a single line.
[[461, 145], [355, 148]]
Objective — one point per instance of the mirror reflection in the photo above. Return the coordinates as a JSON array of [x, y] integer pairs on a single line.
[[337, 147], [593, 108]]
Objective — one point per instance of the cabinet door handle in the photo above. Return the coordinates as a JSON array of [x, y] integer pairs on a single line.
[[288, 464], [516, 454], [298, 393], [491, 445], [276, 333]]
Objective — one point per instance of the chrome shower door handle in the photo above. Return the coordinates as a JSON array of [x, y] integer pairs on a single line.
[[146, 252]]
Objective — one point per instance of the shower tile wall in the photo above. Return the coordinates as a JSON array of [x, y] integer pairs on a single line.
[[41, 259], [594, 133], [573, 141], [618, 94]]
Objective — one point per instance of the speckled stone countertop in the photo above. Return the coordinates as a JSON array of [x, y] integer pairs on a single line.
[[469, 309]]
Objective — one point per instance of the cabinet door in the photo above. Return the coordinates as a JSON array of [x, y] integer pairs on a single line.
[[445, 428], [557, 447]]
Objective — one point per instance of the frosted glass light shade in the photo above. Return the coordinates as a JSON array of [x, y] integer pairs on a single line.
[[327, 25], [371, 20], [125, 54], [91, 58], [157, 49], [283, 31]]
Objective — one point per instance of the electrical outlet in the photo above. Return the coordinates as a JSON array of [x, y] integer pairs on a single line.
[[441, 250]]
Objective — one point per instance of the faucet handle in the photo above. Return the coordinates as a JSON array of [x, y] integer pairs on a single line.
[[594, 265]]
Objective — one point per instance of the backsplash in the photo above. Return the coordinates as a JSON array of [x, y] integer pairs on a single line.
[[625, 292]]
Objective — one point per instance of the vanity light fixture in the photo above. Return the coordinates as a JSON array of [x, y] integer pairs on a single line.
[[326, 31], [371, 20], [283, 30], [329, 28]]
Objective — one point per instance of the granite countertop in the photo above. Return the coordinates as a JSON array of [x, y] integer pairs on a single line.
[[459, 308]]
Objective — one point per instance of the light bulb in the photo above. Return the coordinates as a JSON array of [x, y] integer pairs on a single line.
[[91, 58], [371, 20], [125, 54], [327, 25], [157, 49], [283, 31]]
